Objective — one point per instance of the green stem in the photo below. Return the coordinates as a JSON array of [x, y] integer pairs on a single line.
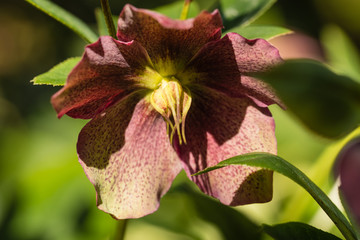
[[108, 18], [120, 230], [185, 10]]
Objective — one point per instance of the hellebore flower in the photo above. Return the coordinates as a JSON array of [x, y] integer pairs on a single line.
[[170, 95], [348, 166]]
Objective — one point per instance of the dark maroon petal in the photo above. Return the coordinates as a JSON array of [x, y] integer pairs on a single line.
[[107, 71], [126, 154], [219, 127], [165, 39], [225, 65], [349, 167]]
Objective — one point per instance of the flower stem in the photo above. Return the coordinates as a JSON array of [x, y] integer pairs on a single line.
[[120, 230], [108, 18], [185, 10]]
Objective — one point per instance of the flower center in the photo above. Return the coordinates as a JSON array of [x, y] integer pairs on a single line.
[[173, 102]]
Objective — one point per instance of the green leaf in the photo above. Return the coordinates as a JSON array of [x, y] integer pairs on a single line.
[[265, 32], [297, 231], [327, 103], [173, 9], [321, 172], [230, 222], [341, 53], [193, 207], [65, 18], [243, 12], [349, 212], [276, 163], [208, 5], [58, 74]]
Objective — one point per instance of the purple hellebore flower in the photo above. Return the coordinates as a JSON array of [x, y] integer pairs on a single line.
[[140, 89], [348, 162]]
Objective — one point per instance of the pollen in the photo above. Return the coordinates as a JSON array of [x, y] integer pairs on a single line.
[[173, 102]]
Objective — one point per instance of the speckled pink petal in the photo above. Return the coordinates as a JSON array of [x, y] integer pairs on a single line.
[[126, 154], [106, 72], [167, 39], [226, 64], [219, 127]]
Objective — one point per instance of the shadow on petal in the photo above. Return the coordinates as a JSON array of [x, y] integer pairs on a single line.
[[256, 187], [105, 134], [219, 127]]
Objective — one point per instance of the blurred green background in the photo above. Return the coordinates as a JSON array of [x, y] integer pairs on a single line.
[[44, 193]]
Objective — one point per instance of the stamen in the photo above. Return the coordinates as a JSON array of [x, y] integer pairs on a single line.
[[172, 102], [186, 103]]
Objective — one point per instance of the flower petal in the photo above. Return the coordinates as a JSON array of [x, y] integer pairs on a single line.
[[126, 154], [349, 168], [219, 127], [225, 65], [107, 70], [170, 43]]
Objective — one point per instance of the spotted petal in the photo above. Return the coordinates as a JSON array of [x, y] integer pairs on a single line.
[[226, 64], [219, 127], [126, 154], [106, 72], [170, 43]]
